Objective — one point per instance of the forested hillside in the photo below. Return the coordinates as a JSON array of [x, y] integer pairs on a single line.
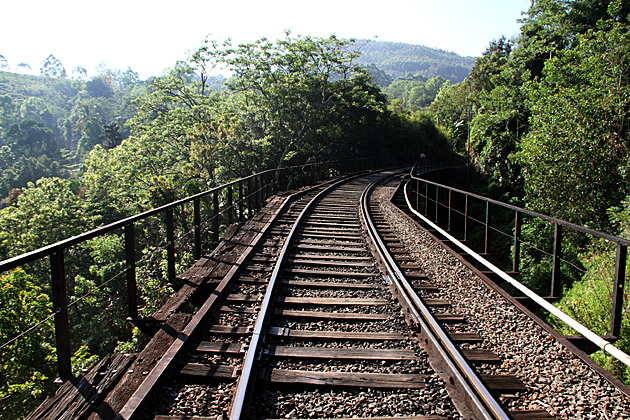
[[133, 146], [400, 60], [549, 122]]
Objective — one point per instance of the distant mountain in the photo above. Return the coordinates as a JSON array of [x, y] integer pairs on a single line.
[[397, 60]]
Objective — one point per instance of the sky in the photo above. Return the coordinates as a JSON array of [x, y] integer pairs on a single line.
[[149, 36]]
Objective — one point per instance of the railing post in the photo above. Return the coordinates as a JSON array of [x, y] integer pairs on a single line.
[[466, 208], [418, 194], [197, 223], [487, 233], [240, 202], [617, 298], [215, 217], [170, 244], [250, 196], [556, 287], [60, 307], [130, 268], [516, 257], [437, 202], [426, 198], [448, 227], [258, 186], [230, 205]]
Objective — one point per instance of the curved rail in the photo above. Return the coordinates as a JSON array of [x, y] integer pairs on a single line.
[[481, 402], [238, 402]]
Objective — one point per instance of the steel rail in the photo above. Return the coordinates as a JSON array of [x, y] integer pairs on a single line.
[[482, 402], [164, 362], [238, 401], [588, 334]]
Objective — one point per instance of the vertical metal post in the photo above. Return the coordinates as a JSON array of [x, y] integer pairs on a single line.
[[197, 223], [437, 201], [170, 244], [250, 196], [516, 258], [240, 202], [230, 205], [617, 298], [487, 234], [417, 194], [130, 268], [215, 217], [258, 186], [448, 227], [426, 198], [556, 286], [60, 306], [466, 208]]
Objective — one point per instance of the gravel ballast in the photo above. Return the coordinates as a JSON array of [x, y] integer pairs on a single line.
[[559, 381]]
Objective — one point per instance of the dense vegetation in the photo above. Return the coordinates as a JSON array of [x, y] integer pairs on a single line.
[[405, 60], [106, 155], [549, 122]]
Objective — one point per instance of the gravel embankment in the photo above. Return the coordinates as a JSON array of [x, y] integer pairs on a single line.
[[559, 382]]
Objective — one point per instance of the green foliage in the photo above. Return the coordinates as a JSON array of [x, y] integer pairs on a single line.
[[590, 300], [577, 149], [27, 365], [400, 60], [415, 91]]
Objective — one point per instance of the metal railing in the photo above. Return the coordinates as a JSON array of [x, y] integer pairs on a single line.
[[441, 204], [236, 200]]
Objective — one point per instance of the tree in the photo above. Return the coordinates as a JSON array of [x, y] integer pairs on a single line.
[[53, 68], [575, 158], [27, 364]]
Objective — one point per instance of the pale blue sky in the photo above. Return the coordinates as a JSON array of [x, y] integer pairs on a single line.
[[150, 35]]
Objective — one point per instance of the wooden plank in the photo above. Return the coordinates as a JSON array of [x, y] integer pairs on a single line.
[[228, 329], [78, 396], [450, 318], [417, 276], [335, 316], [319, 262], [329, 273], [375, 418], [238, 309], [481, 356], [504, 384], [329, 248], [330, 284], [465, 337], [239, 298], [352, 379], [531, 415], [333, 335], [221, 347], [209, 371], [331, 257], [289, 300], [345, 353], [426, 287]]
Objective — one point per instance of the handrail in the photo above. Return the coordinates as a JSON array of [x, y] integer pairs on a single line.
[[616, 313], [257, 191], [588, 334], [602, 235]]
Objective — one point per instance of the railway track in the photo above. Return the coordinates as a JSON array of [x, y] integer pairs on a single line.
[[320, 320]]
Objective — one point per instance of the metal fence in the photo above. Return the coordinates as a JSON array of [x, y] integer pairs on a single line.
[[224, 205]]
